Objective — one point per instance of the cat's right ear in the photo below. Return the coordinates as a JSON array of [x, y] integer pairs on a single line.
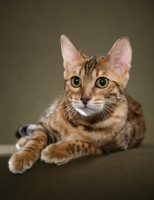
[[69, 53]]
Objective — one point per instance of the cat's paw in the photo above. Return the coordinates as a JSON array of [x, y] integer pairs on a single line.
[[20, 162], [55, 154]]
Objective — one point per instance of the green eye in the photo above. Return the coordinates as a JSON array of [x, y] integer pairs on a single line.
[[76, 81], [102, 82]]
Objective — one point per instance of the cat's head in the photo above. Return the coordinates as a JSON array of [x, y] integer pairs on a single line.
[[95, 83]]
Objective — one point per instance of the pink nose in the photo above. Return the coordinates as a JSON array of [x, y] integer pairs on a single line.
[[85, 99]]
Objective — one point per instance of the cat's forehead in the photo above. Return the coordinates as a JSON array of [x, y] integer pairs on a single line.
[[91, 67], [90, 64]]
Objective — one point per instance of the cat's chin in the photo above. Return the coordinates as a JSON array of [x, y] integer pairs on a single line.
[[85, 111]]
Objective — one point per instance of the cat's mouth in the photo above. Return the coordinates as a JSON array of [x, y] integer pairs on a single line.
[[85, 111], [86, 108]]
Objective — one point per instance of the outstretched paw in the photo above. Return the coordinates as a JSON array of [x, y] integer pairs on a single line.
[[20, 162], [55, 154]]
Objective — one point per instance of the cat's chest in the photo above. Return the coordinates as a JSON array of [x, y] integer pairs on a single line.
[[95, 131], [83, 130]]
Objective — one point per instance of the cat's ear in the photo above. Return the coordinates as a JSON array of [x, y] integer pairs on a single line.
[[120, 55], [69, 52]]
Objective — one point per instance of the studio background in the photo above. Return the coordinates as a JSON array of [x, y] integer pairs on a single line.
[[31, 70]]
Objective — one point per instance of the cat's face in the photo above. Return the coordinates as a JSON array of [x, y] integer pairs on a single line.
[[90, 89], [95, 85]]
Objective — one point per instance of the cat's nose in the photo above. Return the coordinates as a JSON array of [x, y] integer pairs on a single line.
[[85, 99]]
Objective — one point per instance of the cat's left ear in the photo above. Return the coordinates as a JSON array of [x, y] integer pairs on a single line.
[[120, 55], [69, 53]]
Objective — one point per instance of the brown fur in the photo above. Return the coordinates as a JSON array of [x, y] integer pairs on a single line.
[[118, 127]]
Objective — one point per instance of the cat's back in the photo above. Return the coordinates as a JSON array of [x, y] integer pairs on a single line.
[[136, 118], [134, 108]]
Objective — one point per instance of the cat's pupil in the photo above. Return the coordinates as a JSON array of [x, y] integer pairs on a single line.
[[76, 81], [102, 81]]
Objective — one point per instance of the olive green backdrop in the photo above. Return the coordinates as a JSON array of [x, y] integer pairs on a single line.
[[31, 70]]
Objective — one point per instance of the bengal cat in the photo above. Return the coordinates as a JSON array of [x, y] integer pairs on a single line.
[[93, 116]]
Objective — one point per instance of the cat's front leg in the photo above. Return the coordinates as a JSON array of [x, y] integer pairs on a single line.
[[26, 157], [64, 151], [22, 141]]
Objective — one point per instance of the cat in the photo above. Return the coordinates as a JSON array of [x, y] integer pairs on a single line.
[[94, 115]]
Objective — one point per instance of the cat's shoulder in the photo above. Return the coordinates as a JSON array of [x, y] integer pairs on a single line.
[[49, 110]]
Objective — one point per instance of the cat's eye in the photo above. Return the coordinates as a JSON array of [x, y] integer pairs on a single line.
[[102, 82], [76, 81]]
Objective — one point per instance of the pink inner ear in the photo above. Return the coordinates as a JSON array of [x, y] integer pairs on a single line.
[[120, 62], [120, 56], [69, 52]]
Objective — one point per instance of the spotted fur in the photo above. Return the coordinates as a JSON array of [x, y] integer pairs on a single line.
[[86, 119]]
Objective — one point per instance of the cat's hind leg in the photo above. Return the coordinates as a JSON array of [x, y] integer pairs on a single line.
[[63, 151], [26, 157], [26, 130], [24, 134]]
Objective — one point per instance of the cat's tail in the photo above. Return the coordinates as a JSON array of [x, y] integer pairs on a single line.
[[25, 130]]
